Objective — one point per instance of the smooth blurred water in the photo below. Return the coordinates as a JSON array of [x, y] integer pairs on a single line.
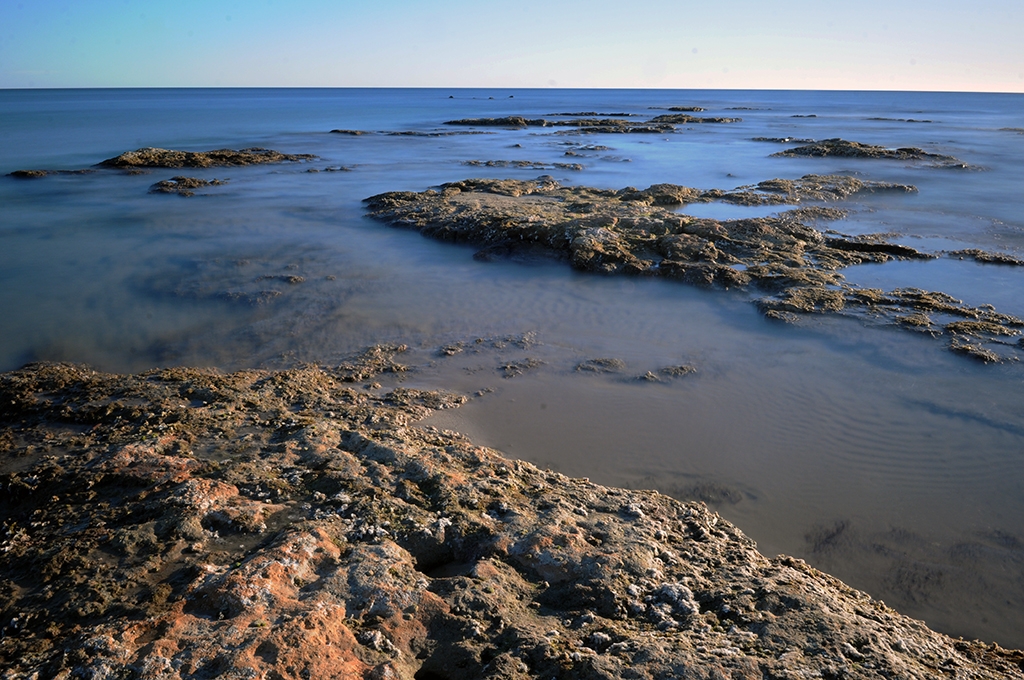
[[873, 453]]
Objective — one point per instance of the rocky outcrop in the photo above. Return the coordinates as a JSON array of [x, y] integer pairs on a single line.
[[986, 257], [183, 186], [632, 231], [844, 149], [686, 119], [505, 121], [184, 523], [150, 157], [140, 160], [658, 124]]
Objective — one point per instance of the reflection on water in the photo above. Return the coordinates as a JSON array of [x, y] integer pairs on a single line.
[[1003, 284], [729, 211], [873, 453]]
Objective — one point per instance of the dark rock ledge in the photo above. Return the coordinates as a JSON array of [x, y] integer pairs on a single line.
[[149, 157], [532, 165], [37, 174], [184, 523], [845, 149], [658, 124], [629, 231]]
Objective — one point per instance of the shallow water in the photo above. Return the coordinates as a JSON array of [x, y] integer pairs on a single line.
[[873, 453]]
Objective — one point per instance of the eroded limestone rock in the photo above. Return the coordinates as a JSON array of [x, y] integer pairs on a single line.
[[185, 523]]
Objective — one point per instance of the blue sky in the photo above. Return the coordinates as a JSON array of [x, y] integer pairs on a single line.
[[787, 44]]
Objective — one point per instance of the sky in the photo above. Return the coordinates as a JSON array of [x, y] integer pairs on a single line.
[[938, 45]]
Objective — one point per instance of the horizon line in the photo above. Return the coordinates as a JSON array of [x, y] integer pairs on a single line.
[[487, 87]]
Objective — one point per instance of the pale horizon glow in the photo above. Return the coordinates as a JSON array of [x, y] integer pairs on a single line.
[[942, 45]]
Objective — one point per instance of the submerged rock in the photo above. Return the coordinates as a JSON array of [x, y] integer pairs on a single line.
[[532, 165], [36, 174], [150, 157], [601, 365], [782, 140], [899, 120], [593, 114], [685, 119], [514, 369], [185, 523], [633, 231], [420, 133]]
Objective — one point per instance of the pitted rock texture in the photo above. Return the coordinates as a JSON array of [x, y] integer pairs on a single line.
[[638, 232], [184, 523]]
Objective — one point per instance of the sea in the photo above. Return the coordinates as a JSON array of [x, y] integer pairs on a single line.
[[871, 452]]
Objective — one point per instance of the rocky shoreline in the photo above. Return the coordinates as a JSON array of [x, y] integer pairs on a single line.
[[188, 523], [639, 232]]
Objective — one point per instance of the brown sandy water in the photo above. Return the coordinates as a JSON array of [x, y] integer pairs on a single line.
[[881, 461]]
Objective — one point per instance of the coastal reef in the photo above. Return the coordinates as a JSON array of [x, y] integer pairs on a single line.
[[150, 157], [844, 149], [639, 232], [657, 124], [184, 523], [140, 160]]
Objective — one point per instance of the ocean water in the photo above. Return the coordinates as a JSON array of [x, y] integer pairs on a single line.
[[874, 454]]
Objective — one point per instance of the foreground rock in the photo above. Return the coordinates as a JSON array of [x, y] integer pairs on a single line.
[[183, 523], [150, 157], [631, 231]]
